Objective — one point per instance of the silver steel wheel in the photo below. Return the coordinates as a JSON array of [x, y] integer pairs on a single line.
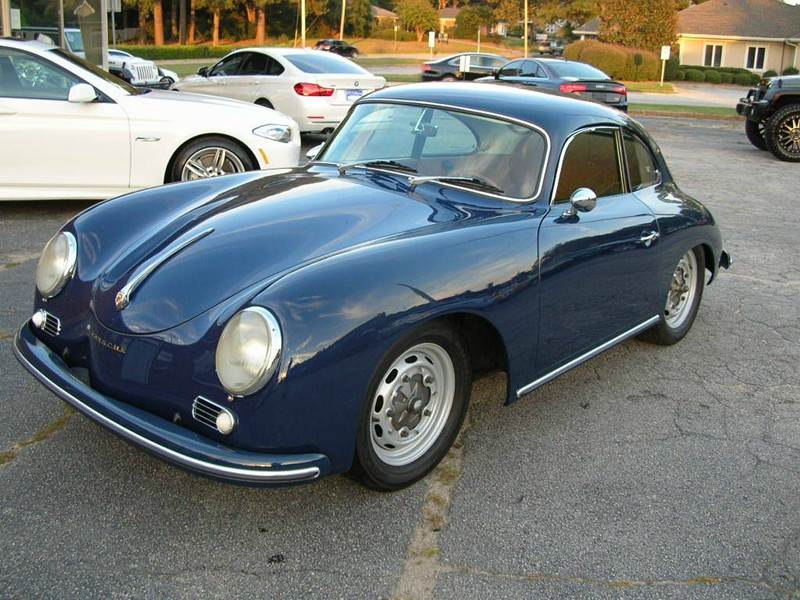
[[211, 162], [682, 291], [789, 134], [412, 404]]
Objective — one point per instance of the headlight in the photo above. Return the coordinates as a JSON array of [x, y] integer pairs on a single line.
[[278, 133], [248, 351], [57, 264]]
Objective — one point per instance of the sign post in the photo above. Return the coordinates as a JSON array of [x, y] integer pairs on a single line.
[[395, 36], [665, 53], [525, 31], [431, 41]]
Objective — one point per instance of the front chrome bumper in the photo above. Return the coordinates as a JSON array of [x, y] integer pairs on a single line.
[[160, 437]]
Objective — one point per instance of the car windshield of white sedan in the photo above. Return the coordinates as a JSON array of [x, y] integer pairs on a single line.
[[479, 152], [324, 63]]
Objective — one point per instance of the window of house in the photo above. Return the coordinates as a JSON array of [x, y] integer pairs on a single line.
[[713, 55], [756, 56], [590, 161]]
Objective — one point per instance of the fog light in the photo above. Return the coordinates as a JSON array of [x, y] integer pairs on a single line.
[[225, 422]]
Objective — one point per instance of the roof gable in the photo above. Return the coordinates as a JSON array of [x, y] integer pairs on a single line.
[[741, 18]]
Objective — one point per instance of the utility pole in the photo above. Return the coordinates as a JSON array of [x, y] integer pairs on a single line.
[[341, 23], [182, 21], [525, 28], [5, 17], [62, 38], [302, 23]]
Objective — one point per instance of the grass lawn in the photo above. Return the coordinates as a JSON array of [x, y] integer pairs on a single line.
[[711, 111], [651, 87], [386, 61], [182, 69]]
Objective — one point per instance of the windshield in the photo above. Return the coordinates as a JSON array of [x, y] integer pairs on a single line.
[[437, 142], [95, 70], [324, 63], [576, 70], [74, 40]]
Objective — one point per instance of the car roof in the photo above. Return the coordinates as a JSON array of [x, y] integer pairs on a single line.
[[32, 45], [556, 113], [283, 51]]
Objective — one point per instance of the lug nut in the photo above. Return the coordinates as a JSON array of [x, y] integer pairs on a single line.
[[427, 412], [404, 433], [429, 379]]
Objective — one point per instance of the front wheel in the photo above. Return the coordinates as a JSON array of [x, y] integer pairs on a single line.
[[782, 133], [755, 133], [414, 408], [682, 302], [210, 157]]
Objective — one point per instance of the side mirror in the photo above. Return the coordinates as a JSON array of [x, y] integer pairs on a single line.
[[82, 93], [312, 154], [582, 200], [203, 71]]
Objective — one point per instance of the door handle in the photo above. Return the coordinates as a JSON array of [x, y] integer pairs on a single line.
[[647, 239]]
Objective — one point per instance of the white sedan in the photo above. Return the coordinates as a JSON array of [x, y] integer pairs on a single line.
[[70, 130], [315, 88]]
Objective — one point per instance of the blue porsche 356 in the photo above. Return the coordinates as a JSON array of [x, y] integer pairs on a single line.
[[271, 328]]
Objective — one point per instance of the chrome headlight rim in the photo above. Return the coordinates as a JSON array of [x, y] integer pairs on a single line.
[[69, 264], [275, 132], [271, 361]]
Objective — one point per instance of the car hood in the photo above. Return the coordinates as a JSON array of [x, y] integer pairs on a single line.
[[248, 235]]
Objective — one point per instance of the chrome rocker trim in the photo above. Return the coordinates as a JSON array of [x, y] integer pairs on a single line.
[[265, 473], [586, 356]]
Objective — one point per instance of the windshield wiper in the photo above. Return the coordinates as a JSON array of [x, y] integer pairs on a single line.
[[377, 163], [471, 182]]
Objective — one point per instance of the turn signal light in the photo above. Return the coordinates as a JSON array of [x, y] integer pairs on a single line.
[[312, 89]]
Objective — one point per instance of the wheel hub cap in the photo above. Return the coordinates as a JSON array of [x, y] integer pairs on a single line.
[[211, 162], [789, 134], [682, 290]]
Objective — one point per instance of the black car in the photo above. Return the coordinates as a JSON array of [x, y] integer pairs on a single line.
[[337, 47], [773, 116], [566, 76], [453, 67]]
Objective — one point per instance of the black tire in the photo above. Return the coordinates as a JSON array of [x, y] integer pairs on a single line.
[[211, 141], [775, 130], [665, 335], [265, 103], [755, 133], [367, 465]]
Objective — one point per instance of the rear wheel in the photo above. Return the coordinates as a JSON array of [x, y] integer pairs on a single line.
[[782, 133], [755, 133], [682, 302], [210, 156], [414, 408]]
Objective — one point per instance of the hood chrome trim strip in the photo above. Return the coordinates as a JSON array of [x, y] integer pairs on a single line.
[[123, 297]]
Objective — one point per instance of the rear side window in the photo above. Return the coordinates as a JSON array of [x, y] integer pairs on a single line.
[[642, 168], [590, 161], [576, 70], [324, 63]]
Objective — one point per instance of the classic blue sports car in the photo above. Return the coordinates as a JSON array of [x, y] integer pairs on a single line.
[[275, 328]]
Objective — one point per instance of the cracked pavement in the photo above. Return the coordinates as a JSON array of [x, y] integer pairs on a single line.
[[649, 472]]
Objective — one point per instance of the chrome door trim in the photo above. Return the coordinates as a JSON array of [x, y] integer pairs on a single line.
[[587, 355]]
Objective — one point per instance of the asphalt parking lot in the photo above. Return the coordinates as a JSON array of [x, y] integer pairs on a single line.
[[649, 472]]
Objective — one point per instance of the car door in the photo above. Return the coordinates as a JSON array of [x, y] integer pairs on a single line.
[[599, 270], [219, 77], [259, 78], [53, 148]]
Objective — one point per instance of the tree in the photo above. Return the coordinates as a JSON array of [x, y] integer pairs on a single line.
[[646, 24], [192, 22], [158, 22], [509, 11], [418, 15], [358, 17], [215, 7], [575, 12], [470, 18]]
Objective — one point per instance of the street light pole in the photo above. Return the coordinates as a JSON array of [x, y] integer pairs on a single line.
[[526, 29], [341, 23]]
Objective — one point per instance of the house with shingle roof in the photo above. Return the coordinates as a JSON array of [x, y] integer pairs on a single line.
[[758, 35]]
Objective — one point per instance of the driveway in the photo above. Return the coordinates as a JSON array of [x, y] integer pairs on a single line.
[[648, 472]]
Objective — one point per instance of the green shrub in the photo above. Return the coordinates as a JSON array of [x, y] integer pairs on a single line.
[[770, 73], [671, 68], [680, 75], [616, 61], [695, 75], [388, 34], [713, 76], [177, 52], [726, 77], [790, 71], [743, 79]]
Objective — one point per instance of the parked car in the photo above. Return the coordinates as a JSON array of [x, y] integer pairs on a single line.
[[450, 67], [72, 130], [773, 116], [339, 47], [271, 329], [73, 40], [315, 88], [566, 76], [551, 47], [138, 71]]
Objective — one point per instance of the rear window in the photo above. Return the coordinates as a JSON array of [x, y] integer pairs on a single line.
[[576, 70], [324, 63]]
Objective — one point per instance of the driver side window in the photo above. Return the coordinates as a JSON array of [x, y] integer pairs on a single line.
[[25, 76], [591, 161], [512, 69], [228, 65]]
